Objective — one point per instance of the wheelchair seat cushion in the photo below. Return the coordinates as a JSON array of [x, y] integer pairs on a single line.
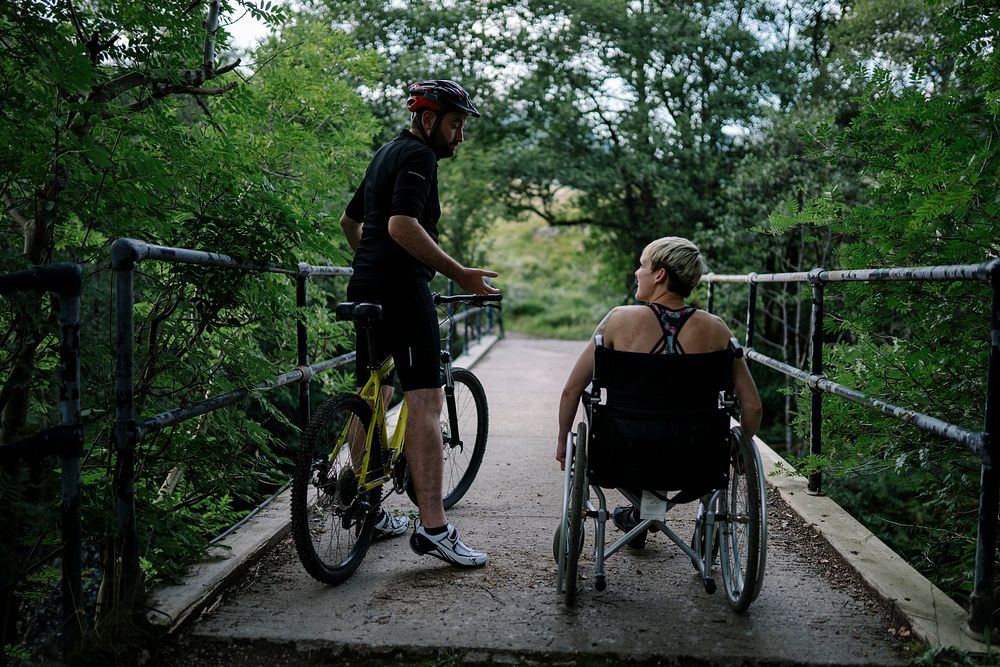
[[661, 426]]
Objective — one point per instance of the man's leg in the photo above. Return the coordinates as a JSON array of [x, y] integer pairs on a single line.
[[424, 452], [433, 535]]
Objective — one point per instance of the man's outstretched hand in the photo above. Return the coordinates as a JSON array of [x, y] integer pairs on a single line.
[[473, 281]]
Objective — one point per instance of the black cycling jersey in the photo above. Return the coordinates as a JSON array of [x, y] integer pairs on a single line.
[[401, 180]]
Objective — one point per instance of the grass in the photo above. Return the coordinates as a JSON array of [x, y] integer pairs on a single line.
[[553, 284]]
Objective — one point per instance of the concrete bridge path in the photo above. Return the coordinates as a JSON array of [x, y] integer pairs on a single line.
[[399, 606]]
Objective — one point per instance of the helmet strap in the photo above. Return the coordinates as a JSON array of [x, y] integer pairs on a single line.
[[438, 116]]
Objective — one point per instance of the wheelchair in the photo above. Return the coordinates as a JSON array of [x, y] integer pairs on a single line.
[[657, 424]]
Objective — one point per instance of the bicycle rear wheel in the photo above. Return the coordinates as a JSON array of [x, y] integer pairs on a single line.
[[463, 451], [332, 522]]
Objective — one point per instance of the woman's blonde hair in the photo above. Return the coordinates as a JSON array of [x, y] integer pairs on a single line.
[[680, 258]]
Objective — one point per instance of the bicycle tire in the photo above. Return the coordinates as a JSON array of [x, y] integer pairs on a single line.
[[574, 533], [332, 524], [741, 536], [461, 462]]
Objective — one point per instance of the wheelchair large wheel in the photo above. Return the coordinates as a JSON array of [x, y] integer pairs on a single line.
[[574, 533], [557, 542], [332, 522], [744, 533]]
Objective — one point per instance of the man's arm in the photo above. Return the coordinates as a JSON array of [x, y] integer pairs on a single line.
[[414, 239], [352, 231]]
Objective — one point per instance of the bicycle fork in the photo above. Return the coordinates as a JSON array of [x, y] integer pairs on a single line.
[[454, 437]]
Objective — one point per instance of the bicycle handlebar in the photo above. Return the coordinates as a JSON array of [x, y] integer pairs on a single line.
[[488, 300]]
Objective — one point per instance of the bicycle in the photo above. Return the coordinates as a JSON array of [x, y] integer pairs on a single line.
[[347, 456]]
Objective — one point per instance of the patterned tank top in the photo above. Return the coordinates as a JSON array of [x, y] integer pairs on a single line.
[[671, 322]]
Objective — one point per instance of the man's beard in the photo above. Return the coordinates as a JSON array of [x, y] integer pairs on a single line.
[[443, 149]]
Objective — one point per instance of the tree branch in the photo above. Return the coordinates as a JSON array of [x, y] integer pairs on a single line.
[[11, 209], [122, 84], [211, 26], [164, 91], [81, 32]]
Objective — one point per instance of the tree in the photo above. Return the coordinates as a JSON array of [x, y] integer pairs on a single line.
[[925, 140], [118, 121]]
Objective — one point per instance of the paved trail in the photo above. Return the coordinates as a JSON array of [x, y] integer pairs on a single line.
[[810, 611]]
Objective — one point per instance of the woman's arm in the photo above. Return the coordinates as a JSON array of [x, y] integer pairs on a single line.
[[743, 384], [746, 391], [579, 377]]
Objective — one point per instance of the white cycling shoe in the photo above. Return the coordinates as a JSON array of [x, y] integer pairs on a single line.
[[390, 526], [447, 546]]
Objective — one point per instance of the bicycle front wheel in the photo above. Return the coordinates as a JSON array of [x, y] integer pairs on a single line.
[[463, 450], [332, 521]]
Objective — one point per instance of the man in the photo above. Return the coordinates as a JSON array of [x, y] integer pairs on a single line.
[[391, 224]]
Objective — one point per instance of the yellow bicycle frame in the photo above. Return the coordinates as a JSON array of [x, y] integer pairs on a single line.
[[372, 394]]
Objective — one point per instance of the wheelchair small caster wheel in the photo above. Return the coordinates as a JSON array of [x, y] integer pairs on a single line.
[[710, 586]]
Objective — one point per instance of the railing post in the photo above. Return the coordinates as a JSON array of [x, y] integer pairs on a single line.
[[751, 311], [302, 339], [710, 307], [126, 559], [69, 412], [815, 486], [981, 601]]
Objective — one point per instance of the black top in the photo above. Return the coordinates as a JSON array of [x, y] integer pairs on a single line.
[[671, 322], [401, 180]]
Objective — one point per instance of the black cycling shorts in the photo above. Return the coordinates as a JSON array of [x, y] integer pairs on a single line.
[[409, 332]]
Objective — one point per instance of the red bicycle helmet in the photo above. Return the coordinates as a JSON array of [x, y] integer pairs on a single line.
[[440, 95]]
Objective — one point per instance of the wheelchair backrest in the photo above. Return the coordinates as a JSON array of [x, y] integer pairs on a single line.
[[661, 422]]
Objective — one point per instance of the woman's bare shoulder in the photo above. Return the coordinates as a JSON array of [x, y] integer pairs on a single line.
[[709, 327], [709, 320], [623, 314]]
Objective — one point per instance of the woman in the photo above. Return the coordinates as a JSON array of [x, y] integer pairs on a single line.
[[669, 268]]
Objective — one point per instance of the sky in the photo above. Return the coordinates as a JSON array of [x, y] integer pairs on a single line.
[[246, 31]]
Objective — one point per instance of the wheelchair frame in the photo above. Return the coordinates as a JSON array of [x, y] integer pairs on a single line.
[[731, 522]]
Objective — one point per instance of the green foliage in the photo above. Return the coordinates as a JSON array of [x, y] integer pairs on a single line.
[[130, 134], [926, 141], [622, 116], [952, 657], [549, 288]]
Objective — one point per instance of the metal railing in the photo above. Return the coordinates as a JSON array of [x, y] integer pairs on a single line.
[[129, 429], [66, 439], [983, 444]]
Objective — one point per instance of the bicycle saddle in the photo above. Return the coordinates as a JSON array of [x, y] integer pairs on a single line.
[[359, 312]]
